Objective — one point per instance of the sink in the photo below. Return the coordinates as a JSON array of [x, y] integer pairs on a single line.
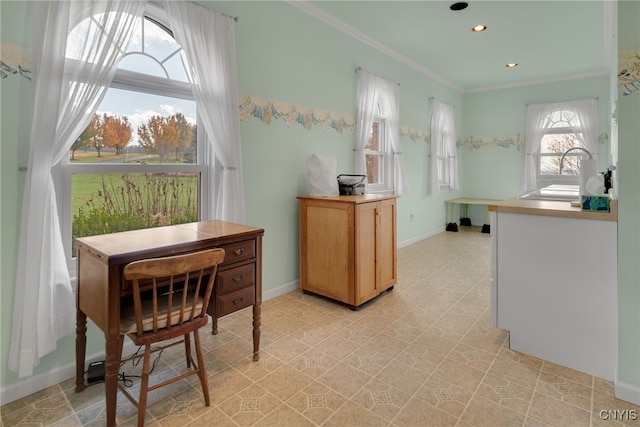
[[561, 193]]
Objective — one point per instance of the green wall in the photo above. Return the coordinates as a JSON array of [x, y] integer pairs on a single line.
[[628, 175], [295, 61]]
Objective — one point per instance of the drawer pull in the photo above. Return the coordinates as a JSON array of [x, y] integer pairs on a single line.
[[238, 300], [238, 279], [239, 252]]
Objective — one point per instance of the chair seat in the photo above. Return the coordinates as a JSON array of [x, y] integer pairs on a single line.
[[128, 316]]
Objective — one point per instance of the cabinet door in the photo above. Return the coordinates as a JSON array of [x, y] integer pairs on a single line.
[[386, 254], [367, 237], [326, 246]]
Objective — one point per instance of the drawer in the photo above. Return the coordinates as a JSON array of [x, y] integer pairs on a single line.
[[236, 278], [234, 301], [240, 251]]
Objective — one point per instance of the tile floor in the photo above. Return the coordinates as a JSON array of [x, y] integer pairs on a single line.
[[422, 354]]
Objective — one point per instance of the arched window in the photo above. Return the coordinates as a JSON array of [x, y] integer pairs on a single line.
[[140, 163], [563, 132]]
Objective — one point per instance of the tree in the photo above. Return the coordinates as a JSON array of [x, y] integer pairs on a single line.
[[97, 140], [559, 144], [86, 136], [116, 132], [185, 130], [165, 135]]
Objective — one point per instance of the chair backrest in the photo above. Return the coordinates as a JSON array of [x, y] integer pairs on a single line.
[[169, 291]]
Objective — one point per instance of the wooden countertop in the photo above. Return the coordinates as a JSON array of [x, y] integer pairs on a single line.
[[552, 208]]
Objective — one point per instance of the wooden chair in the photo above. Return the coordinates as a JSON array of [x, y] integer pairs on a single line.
[[169, 301]]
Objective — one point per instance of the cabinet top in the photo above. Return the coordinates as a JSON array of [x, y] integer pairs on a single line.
[[361, 198]]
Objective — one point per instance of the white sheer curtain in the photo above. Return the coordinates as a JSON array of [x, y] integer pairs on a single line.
[[66, 94], [539, 120], [367, 104], [537, 125], [374, 92], [586, 127], [444, 154], [208, 41]]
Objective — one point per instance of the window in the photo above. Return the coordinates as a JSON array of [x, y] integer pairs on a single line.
[[378, 135], [140, 162], [552, 129], [378, 156], [562, 133], [443, 152]]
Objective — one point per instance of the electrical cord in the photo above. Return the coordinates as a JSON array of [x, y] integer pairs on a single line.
[[126, 379], [122, 376]]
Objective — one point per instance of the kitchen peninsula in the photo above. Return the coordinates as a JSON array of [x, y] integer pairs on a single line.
[[554, 282]]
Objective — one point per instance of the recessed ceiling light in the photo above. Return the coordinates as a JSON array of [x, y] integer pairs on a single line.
[[459, 6], [479, 28], [512, 65]]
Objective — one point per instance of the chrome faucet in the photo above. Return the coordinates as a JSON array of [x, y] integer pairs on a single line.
[[571, 149]]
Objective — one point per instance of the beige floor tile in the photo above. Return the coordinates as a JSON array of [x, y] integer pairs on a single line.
[[250, 405], [557, 413], [482, 412], [344, 378], [352, 414], [382, 398], [506, 393], [444, 396], [285, 382], [284, 416], [517, 367], [460, 375], [418, 413], [317, 402]]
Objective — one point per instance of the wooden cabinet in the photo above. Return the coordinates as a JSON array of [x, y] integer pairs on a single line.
[[348, 246]]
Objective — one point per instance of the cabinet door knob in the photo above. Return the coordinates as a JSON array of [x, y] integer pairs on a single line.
[[238, 300], [238, 279], [239, 252]]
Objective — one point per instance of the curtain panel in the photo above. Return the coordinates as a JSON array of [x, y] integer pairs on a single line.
[[76, 48], [443, 146], [208, 42], [374, 92]]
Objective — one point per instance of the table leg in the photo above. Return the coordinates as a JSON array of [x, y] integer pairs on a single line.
[[257, 313], [452, 225], [81, 348], [112, 365]]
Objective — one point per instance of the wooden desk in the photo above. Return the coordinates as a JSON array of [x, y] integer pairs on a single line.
[[101, 260]]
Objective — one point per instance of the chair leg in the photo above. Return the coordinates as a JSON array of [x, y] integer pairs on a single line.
[[144, 385], [187, 349], [202, 372]]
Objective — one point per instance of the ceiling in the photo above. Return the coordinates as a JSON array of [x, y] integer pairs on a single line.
[[550, 40]]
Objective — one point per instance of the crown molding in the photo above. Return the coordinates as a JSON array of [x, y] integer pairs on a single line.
[[310, 9]]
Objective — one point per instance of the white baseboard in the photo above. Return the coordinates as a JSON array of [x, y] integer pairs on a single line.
[[627, 392], [38, 382], [420, 237], [280, 290]]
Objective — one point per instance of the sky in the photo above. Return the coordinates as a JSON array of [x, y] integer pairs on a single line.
[[156, 53]]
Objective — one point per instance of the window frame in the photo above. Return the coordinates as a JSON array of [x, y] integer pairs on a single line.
[[442, 162], [551, 179], [135, 82], [385, 171]]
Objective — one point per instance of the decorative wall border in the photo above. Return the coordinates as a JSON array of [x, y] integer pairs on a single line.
[[14, 61]]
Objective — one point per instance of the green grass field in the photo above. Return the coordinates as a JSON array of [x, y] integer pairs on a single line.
[[87, 189]]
